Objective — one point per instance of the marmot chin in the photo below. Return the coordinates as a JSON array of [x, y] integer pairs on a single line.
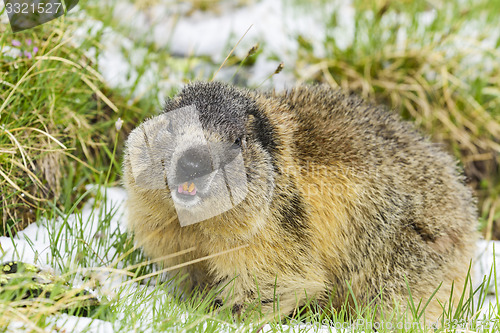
[[317, 190]]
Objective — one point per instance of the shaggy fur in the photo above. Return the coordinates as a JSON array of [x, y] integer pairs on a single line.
[[338, 191]]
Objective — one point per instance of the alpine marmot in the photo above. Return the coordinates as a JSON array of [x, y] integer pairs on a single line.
[[297, 195]]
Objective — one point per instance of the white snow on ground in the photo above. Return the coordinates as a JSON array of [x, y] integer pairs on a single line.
[[34, 243], [81, 324], [273, 25]]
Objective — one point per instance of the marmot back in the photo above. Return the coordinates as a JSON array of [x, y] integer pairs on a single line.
[[312, 187]]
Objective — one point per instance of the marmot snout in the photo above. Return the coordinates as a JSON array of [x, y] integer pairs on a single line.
[[314, 187]]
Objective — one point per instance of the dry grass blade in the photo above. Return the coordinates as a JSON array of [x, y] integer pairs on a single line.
[[187, 263], [489, 223], [15, 314], [14, 185], [100, 94], [230, 53], [24, 156], [42, 132], [28, 171], [160, 259]]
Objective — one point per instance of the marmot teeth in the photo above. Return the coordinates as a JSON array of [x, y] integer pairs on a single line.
[[187, 189]]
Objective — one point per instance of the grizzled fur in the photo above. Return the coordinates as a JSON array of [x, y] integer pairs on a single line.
[[338, 191]]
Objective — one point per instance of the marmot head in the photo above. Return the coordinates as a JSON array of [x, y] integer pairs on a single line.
[[210, 154]]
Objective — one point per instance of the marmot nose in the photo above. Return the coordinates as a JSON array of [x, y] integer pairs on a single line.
[[194, 163]]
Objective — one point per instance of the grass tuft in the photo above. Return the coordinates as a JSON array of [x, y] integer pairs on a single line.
[[57, 121]]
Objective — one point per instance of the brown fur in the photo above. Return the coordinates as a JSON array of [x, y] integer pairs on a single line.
[[341, 191]]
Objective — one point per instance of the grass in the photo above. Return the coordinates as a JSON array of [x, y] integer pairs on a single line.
[[129, 301], [91, 250], [58, 134], [56, 122]]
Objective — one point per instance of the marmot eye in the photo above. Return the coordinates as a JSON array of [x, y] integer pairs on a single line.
[[237, 143], [170, 127]]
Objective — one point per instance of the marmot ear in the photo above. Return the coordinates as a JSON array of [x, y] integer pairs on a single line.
[[250, 123], [170, 127], [250, 120]]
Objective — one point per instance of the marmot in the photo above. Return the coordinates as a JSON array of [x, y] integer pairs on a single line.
[[328, 191]]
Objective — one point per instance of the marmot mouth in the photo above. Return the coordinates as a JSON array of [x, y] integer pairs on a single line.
[[190, 192]]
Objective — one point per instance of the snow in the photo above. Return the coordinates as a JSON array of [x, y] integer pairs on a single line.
[[81, 324], [273, 25], [34, 243]]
